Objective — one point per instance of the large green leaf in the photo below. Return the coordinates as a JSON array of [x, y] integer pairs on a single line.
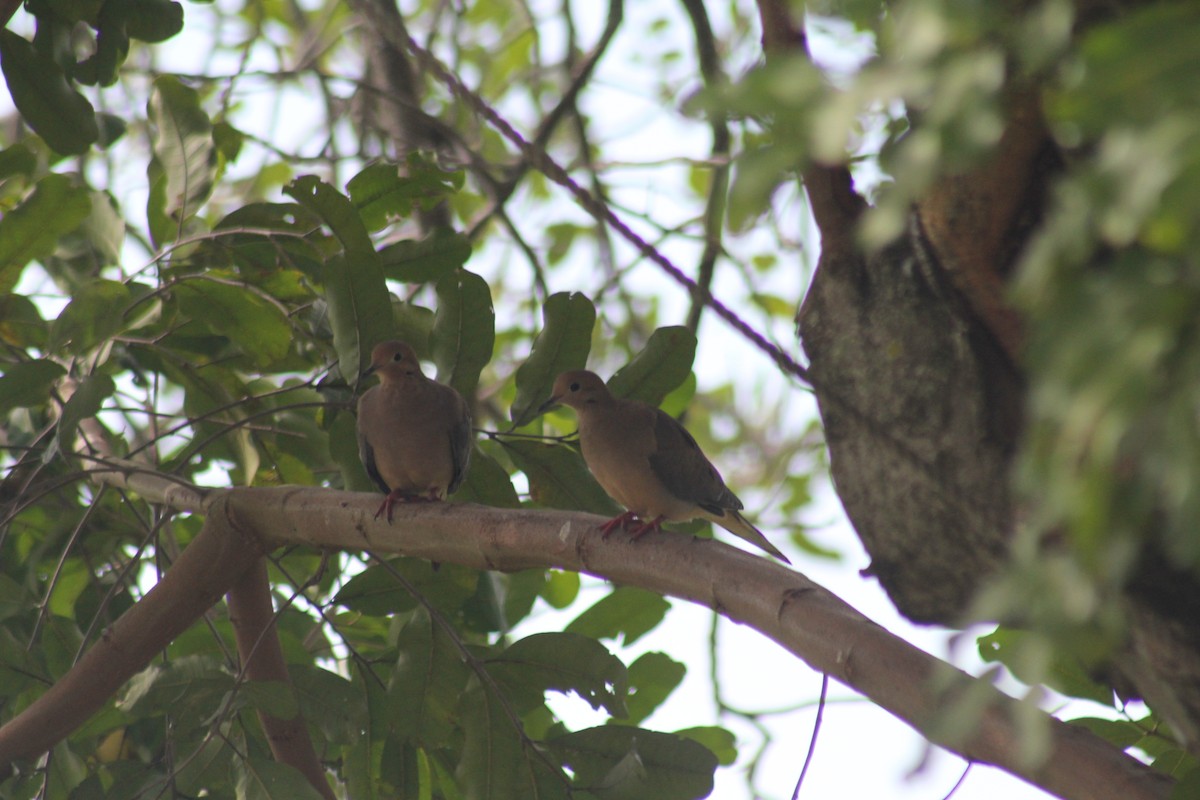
[[563, 344], [32, 230], [20, 323], [376, 591], [496, 764], [104, 228], [428, 259], [464, 330], [558, 478], [343, 449], [426, 683], [153, 20], [40, 91], [251, 322], [385, 192], [626, 611], [189, 685], [87, 400], [96, 313], [661, 366], [184, 165], [623, 763], [28, 383], [563, 662], [329, 702], [359, 307], [487, 483], [719, 741], [1065, 674], [652, 678]]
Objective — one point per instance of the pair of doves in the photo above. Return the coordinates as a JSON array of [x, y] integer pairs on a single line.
[[414, 436]]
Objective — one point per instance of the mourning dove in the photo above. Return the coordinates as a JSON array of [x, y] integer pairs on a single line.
[[649, 463], [414, 434]]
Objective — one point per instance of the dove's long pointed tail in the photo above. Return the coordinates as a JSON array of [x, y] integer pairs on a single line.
[[739, 526]]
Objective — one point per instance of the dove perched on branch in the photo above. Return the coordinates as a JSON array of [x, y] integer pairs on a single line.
[[414, 434], [649, 463]]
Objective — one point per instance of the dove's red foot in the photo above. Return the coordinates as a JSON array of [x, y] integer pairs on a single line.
[[644, 528], [622, 522], [397, 496]]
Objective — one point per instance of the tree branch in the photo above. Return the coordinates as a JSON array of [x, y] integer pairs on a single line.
[[205, 571], [784, 605], [714, 211], [253, 620]]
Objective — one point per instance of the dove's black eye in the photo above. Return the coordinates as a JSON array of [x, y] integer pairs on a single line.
[[398, 357], [574, 387]]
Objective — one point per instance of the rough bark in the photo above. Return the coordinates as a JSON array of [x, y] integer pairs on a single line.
[[921, 412]]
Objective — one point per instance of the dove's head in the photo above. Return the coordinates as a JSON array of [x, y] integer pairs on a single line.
[[579, 389], [394, 361]]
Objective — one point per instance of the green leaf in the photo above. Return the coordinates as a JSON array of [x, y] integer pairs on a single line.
[[187, 685], [563, 662], [1022, 652], [264, 779], [85, 403], [622, 763], [153, 20], [720, 742], [425, 260], [271, 697], [359, 307], [96, 313], [626, 611], [40, 91], [562, 345], [61, 642], [381, 193], [464, 330], [1188, 786], [255, 325], [33, 229], [520, 590], [487, 483], [759, 173], [652, 678], [414, 324], [18, 159], [104, 227], [336, 211], [20, 323], [376, 591], [343, 449], [263, 238], [184, 165], [329, 702], [69, 584], [662, 365], [112, 46], [425, 685], [495, 764], [27, 384], [1122, 733], [558, 478]]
